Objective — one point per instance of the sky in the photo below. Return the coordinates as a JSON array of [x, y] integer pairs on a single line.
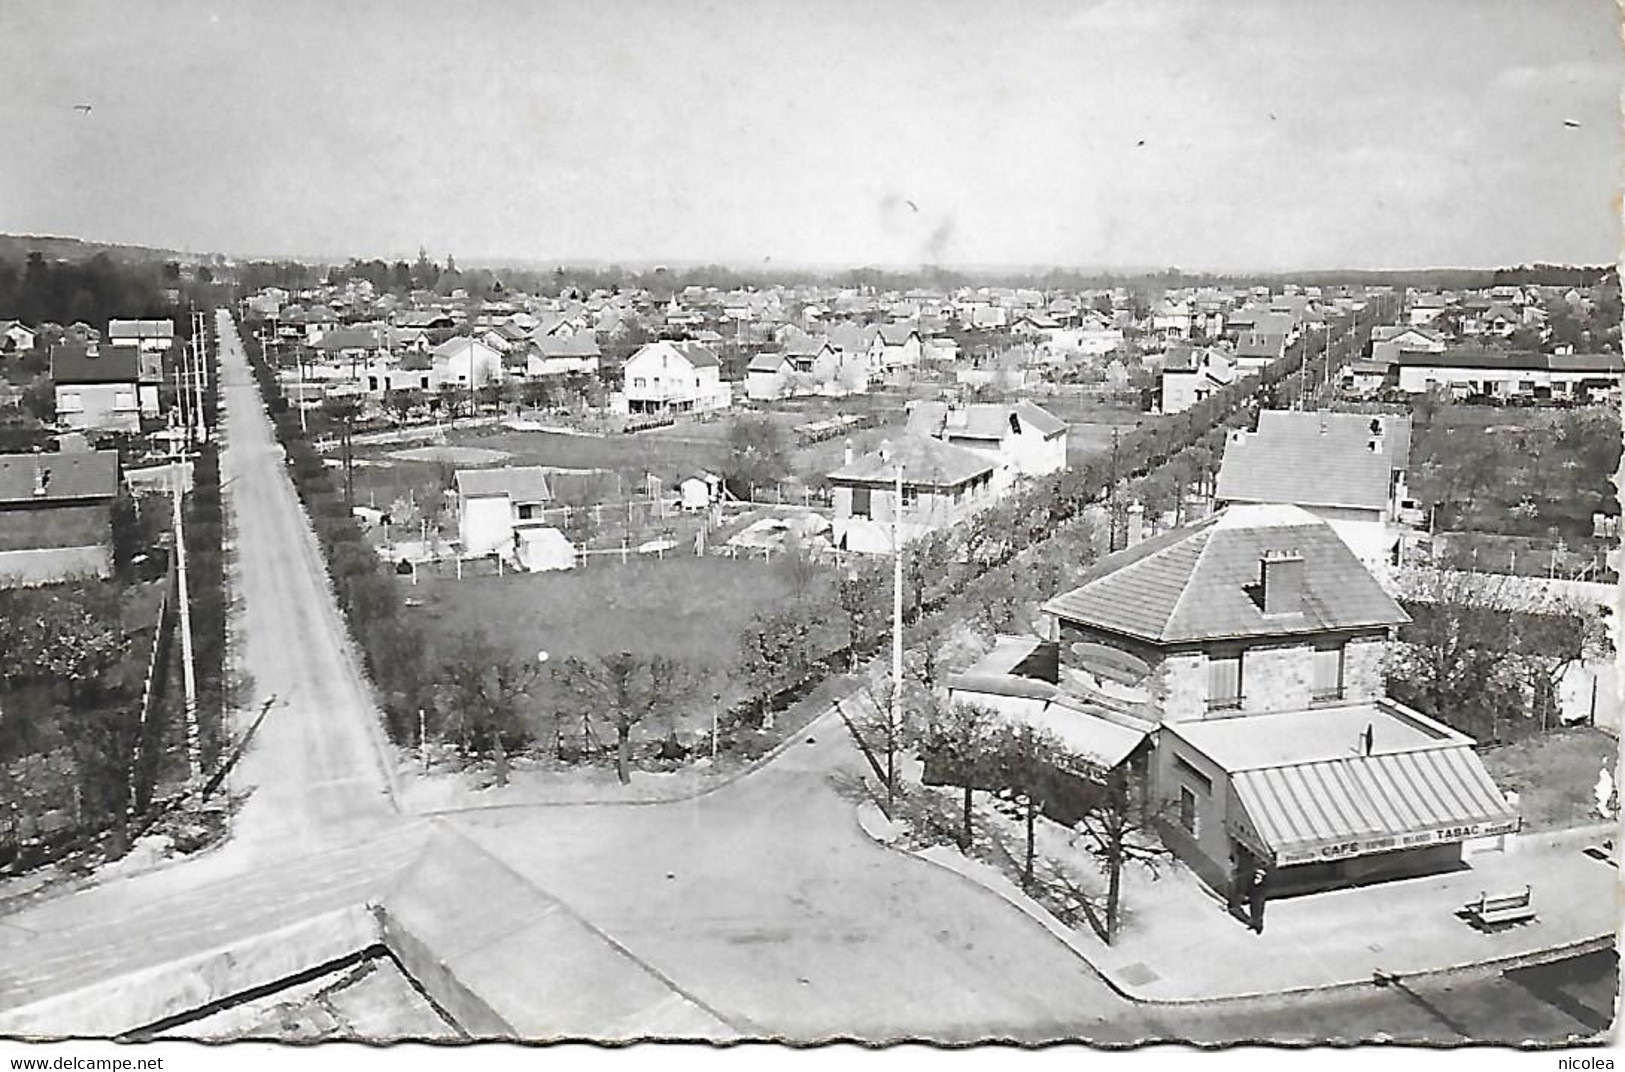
[[1263, 135]]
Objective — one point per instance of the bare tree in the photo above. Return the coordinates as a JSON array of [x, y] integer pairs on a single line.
[[479, 689], [1119, 829], [627, 688]]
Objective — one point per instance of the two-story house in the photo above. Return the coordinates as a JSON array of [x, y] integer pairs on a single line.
[[1348, 469], [941, 485], [97, 388], [1022, 439], [1191, 374], [674, 377], [492, 504], [893, 347], [1261, 640]]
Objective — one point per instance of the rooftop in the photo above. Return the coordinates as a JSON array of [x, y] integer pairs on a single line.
[[926, 462], [79, 364], [521, 483], [1200, 582], [1251, 742], [1315, 459], [64, 477]]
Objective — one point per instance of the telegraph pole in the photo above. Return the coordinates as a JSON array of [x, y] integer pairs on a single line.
[[897, 629], [194, 753], [1111, 500]]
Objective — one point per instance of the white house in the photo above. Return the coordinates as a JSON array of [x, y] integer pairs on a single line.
[[1021, 438], [1190, 375], [769, 377], [674, 377], [494, 504], [558, 355], [893, 347], [149, 336], [942, 484], [15, 335], [467, 362]]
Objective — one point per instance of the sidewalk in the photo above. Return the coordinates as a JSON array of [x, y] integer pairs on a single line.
[[1179, 944]]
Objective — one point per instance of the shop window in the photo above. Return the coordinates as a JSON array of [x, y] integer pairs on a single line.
[[1187, 810], [1327, 681], [1224, 682]]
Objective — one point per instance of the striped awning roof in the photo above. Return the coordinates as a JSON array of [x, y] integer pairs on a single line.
[[1356, 805]]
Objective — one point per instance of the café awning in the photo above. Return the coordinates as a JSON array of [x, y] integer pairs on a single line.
[[1360, 804]]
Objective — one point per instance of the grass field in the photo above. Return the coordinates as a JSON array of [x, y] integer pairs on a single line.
[[688, 608], [1554, 774]]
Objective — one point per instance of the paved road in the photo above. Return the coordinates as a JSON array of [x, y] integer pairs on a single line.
[[314, 772]]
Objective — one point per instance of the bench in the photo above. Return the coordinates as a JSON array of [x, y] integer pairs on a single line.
[[1502, 910]]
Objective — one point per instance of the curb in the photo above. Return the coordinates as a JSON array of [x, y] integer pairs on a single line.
[[1063, 934]]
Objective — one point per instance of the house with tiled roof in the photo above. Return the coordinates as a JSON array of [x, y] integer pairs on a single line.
[[1192, 373], [674, 377], [494, 504], [1022, 438], [97, 388], [56, 515], [941, 485], [1348, 469], [1259, 640], [562, 355]]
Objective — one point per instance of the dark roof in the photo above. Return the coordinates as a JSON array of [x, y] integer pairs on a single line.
[[801, 344], [521, 483], [1196, 583], [1587, 363], [581, 344], [767, 363], [79, 364], [1475, 358], [80, 475], [926, 462], [348, 339]]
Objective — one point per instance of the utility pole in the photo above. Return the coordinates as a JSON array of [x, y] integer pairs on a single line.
[[1111, 500], [194, 754], [897, 629]]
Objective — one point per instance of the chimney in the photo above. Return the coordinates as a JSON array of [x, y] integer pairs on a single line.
[[1325, 423], [849, 450], [885, 450], [42, 479], [1136, 523], [1374, 444], [1281, 580]]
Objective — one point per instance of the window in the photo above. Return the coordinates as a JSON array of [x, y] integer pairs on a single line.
[[1224, 682], [1192, 774], [1327, 683], [639, 382], [860, 502], [911, 496], [70, 402], [124, 400], [1187, 810]]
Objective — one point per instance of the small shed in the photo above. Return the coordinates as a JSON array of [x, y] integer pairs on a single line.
[[539, 549]]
